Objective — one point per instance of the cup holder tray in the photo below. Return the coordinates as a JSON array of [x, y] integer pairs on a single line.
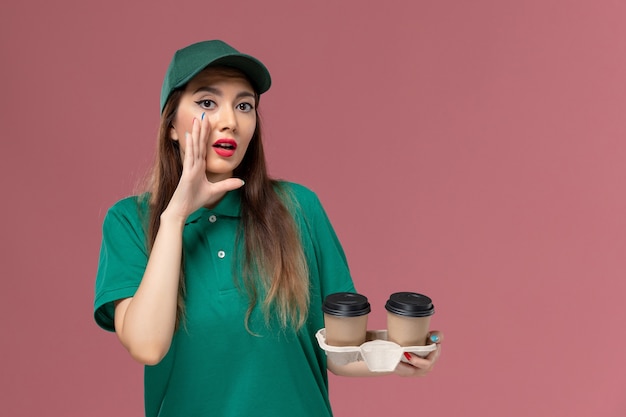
[[380, 354]]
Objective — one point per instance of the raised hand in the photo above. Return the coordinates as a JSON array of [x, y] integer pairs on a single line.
[[194, 189]]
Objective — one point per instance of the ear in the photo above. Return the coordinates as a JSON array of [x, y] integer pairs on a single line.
[[173, 133]]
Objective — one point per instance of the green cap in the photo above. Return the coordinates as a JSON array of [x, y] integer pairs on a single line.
[[189, 61]]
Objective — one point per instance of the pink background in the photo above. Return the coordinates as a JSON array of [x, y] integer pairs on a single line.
[[470, 150]]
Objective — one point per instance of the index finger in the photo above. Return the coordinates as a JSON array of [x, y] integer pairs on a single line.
[[205, 129]]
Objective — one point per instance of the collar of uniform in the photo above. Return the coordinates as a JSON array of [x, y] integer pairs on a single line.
[[229, 205]]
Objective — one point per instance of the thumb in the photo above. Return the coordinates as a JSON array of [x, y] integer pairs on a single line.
[[435, 337], [228, 184]]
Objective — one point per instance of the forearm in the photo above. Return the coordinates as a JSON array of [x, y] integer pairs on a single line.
[[146, 323]]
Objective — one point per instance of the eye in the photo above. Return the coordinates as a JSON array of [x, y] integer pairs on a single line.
[[245, 107], [206, 104]]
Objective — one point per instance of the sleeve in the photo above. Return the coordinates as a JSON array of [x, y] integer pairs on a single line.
[[332, 265], [123, 260]]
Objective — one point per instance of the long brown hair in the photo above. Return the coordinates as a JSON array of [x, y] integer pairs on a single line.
[[273, 260]]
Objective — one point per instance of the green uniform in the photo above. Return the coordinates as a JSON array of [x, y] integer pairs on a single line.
[[214, 366]]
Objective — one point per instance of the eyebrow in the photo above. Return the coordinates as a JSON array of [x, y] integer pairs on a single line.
[[218, 92]]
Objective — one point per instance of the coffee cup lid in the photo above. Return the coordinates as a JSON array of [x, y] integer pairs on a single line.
[[410, 304], [346, 304]]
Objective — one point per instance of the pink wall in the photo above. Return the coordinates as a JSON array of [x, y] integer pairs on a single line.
[[470, 150]]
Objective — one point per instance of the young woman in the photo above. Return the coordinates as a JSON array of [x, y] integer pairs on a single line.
[[215, 277]]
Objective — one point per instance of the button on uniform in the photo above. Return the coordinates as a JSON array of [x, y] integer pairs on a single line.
[[221, 254], [212, 218]]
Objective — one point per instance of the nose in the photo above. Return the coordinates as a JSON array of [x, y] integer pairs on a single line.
[[227, 120]]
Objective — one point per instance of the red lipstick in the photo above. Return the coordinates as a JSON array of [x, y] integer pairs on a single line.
[[225, 147]]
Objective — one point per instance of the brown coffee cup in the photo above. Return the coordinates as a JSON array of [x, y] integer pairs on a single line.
[[408, 318], [345, 319]]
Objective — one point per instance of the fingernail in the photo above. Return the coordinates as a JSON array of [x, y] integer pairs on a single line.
[[434, 338], [202, 118], [407, 355], [243, 182]]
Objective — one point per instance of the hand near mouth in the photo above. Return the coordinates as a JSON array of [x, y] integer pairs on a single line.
[[194, 189]]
